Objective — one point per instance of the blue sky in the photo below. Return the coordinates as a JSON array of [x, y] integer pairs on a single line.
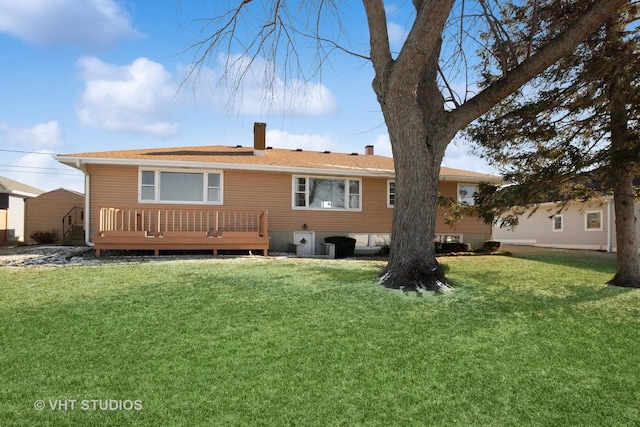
[[96, 75]]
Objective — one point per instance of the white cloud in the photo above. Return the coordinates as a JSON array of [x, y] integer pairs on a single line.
[[459, 156], [135, 98], [242, 86], [382, 145], [397, 34], [84, 23], [283, 139], [42, 135]]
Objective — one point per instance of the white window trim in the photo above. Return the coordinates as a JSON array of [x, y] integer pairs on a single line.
[[389, 205], [458, 190], [307, 208], [586, 223], [205, 184], [553, 223]]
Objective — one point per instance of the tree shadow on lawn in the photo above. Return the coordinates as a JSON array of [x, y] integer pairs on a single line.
[[497, 291], [598, 261]]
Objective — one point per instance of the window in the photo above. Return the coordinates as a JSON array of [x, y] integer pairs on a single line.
[[557, 223], [300, 192], [148, 185], [327, 193], [181, 187], [173, 186], [391, 194], [593, 221], [466, 193], [214, 187]]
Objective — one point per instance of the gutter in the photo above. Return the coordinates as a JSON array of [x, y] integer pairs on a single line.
[[87, 204]]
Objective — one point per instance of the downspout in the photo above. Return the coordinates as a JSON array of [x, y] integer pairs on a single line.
[[609, 241], [87, 204]]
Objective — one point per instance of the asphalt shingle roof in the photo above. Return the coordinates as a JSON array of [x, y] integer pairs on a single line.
[[10, 186], [274, 157]]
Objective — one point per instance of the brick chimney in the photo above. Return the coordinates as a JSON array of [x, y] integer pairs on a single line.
[[259, 139], [368, 150]]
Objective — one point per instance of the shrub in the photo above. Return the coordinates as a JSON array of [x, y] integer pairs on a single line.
[[492, 246], [456, 247], [45, 237], [385, 250]]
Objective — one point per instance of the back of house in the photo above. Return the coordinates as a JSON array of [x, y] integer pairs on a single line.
[[295, 197]]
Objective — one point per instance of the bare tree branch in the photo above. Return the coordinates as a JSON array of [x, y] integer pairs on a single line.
[[561, 46]]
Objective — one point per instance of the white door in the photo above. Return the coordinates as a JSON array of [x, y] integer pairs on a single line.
[[305, 242]]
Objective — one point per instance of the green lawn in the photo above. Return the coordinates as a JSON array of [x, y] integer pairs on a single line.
[[276, 342]]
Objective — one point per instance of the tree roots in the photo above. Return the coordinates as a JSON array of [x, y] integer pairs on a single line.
[[419, 278]]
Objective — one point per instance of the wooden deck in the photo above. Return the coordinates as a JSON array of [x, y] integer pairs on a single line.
[[214, 229]]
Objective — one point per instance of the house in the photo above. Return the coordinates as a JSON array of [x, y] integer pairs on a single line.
[[12, 197], [257, 197], [581, 225], [59, 210]]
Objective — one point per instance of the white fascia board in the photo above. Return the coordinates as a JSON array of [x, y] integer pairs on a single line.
[[359, 172], [21, 194]]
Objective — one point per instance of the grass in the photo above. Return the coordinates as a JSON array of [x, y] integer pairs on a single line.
[[275, 342]]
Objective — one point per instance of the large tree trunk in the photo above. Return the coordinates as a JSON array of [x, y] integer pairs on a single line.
[[628, 272], [412, 263], [623, 162], [413, 109], [419, 133]]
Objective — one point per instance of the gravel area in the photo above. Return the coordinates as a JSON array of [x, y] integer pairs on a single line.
[[31, 256], [25, 256]]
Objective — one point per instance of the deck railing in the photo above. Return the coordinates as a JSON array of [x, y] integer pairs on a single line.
[[156, 221]]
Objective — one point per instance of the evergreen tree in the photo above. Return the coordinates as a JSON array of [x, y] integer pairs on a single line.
[[573, 133]]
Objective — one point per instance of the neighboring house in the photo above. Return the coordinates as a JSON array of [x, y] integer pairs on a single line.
[[12, 197], [578, 226], [201, 197], [59, 210]]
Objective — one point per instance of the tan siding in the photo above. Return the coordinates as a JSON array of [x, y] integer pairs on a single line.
[[45, 212], [111, 186], [118, 186], [466, 225], [274, 193]]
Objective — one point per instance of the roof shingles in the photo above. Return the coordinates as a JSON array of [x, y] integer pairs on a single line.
[[283, 158], [14, 187]]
